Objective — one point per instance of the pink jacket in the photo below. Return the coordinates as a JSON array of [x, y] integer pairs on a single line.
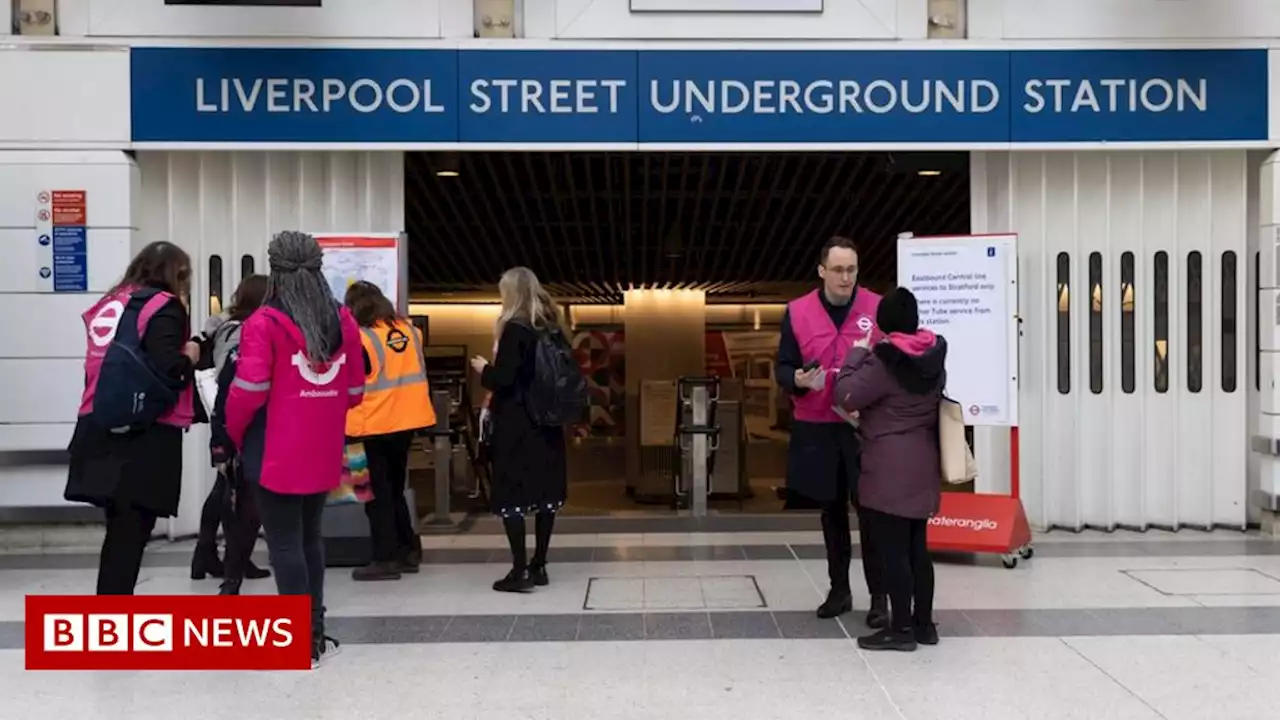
[[287, 418]]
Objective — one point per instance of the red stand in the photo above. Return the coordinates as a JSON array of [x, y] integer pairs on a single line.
[[980, 523]]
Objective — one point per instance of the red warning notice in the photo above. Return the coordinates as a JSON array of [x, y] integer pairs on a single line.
[[69, 207]]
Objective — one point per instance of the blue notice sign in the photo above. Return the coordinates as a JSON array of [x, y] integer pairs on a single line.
[[70, 258], [697, 97]]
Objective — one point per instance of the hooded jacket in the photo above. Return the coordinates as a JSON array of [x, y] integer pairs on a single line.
[[285, 416], [895, 388]]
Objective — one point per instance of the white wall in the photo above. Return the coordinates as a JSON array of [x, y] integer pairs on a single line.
[[613, 19], [61, 98], [335, 19], [41, 359], [228, 204], [1113, 458], [1139, 19]]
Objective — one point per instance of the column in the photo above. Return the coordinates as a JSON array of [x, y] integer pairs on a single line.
[[1267, 442]]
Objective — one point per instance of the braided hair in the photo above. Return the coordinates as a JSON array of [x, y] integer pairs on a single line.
[[297, 284]]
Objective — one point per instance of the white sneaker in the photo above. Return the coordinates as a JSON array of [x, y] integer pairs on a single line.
[[325, 651]]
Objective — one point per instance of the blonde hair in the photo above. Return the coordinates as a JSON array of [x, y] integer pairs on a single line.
[[525, 300]]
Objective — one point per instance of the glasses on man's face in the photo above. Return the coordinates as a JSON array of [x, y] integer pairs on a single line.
[[847, 271]]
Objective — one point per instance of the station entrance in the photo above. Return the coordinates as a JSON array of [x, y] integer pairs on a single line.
[[674, 269]]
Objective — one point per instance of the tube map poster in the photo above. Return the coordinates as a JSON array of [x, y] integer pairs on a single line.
[[372, 258]]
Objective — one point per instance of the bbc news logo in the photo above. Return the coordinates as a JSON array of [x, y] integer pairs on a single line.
[[233, 632]]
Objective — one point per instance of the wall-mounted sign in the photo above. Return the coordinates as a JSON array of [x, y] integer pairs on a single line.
[[62, 234], [727, 6], [697, 97]]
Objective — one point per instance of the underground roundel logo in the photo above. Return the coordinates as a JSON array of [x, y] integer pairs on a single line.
[[397, 340], [103, 325], [865, 324], [974, 410], [300, 361]]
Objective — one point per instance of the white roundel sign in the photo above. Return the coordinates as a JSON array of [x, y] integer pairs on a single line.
[[103, 326], [865, 324]]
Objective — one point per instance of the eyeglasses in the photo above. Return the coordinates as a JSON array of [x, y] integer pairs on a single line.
[[849, 271]]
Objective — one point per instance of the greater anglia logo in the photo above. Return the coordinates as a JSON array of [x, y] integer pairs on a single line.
[[168, 632], [964, 523]]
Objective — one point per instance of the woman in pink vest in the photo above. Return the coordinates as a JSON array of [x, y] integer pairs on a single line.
[[135, 475], [298, 372]]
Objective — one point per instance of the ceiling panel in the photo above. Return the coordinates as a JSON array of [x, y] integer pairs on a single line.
[[592, 224]]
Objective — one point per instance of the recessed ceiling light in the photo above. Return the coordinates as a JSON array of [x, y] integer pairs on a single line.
[[929, 173], [446, 173]]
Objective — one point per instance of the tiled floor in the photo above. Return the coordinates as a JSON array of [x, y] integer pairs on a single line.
[[672, 625]]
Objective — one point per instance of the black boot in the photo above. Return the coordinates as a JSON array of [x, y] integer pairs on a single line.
[[410, 560], [377, 571], [253, 572], [516, 581], [926, 634], [205, 562], [899, 640], [229, 587], [538, 573], [878, 615], [838, 602]]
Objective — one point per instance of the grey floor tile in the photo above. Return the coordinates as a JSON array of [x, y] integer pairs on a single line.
[[708, 553], [955, 623], [570, 555], [463, 556], [12, 636], [1036, 623], [814, 552], [611, 628], [545, 628], [478, 628], [1230, 620], [804, 625], [387, 629], [767, 552], [744, 626], [620, 553], [1141, 621], [677, 626]]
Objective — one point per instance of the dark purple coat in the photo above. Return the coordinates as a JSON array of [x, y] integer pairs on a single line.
[[895, 388]]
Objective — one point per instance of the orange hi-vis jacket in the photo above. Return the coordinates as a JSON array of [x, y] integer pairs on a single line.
[[396, 394]]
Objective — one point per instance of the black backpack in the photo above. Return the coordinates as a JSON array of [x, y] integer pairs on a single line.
[[558, 395], [131, 395]]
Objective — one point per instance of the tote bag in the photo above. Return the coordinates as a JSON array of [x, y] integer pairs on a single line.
[[958, 465], [354, 486]]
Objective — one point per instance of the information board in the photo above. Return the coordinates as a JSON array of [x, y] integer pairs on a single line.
[[62, 232], [371, 257], [967, 289]]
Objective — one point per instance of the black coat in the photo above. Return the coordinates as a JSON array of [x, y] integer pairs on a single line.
[[529, 466], [143, 469]]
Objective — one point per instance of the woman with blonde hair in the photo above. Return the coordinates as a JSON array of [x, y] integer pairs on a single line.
[[529, 469]]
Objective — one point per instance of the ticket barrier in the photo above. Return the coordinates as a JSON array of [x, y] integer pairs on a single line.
[[698, 438]]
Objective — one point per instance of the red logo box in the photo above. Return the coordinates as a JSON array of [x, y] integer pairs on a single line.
[[155, 632]]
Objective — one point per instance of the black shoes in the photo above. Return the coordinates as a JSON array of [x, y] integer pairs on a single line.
[[253, 572], [377, 571], [516, 581], [888, 639], [538, 573], [838, 603], [229, 587], [926, 634], [205, 563], [878, 615], [410, 560]]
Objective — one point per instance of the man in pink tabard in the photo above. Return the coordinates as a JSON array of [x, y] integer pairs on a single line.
[[818, 330]]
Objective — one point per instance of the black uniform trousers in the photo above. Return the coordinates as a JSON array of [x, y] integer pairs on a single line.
[[836, 535], [390, 525], [128, 530]]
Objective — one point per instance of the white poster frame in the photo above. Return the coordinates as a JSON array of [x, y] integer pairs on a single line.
[[402, 259], [1012, 330]]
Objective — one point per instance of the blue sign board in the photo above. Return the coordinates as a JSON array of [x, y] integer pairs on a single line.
[[70, 258], [697, 97]]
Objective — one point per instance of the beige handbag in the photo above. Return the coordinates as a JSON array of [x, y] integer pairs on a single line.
[[958, 465]]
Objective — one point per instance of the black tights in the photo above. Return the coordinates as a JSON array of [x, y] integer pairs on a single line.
[[908, 569], [542, 526]]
